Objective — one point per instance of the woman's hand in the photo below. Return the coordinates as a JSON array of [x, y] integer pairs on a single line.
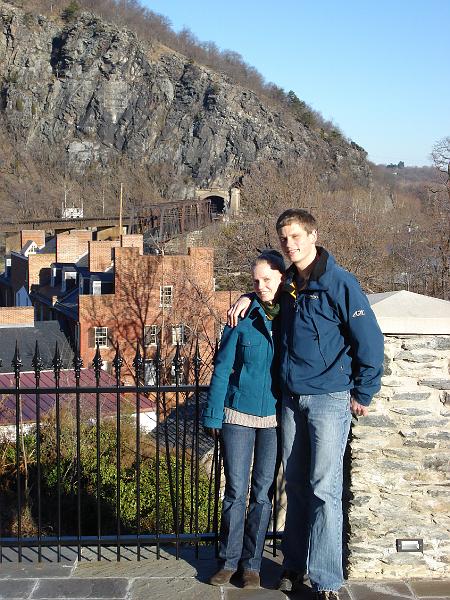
[[238, 309]]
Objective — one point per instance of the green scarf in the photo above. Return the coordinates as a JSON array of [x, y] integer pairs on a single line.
[[271, 309]]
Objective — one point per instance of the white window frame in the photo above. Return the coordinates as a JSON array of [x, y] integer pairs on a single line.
[[178, 334], [150, 372], [151, 333], [96, 287], [165, 296], [101, 336], [173, 374]]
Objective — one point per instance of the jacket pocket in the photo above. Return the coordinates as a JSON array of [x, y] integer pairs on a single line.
[[318, 343], [248, 349]]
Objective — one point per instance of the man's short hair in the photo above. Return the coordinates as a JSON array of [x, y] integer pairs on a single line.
[[297, 215]]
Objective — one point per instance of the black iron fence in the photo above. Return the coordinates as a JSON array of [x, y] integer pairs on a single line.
[[88, 461]]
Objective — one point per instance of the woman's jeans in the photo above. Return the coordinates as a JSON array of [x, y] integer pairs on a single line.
[[241, 538], [314, 437]]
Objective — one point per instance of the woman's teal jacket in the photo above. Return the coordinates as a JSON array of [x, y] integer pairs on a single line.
[[245, 376]]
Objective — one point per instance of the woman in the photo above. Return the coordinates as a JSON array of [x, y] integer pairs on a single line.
[[241, 405]]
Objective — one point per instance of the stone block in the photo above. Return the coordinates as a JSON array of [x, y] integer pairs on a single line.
[[377, 421], [419, 444], [416, 357], [16, 588], [429, 588], [422, 342], [165, 588], [439, 383], [72, 587], [414, 396], [438, 435], [411, 411], [430, 423], [380, 591], [438, 462]]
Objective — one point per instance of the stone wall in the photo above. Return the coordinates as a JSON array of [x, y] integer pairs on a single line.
[[399, 474]]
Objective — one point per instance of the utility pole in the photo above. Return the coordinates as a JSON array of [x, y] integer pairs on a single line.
[[120, 209]]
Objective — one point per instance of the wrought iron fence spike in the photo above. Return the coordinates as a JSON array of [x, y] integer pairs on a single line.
[[97, 363], [16, 361], [57, 361], [117, 362], [37, 362]]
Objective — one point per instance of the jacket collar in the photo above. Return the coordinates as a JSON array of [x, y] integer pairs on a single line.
[[256, 310], [318, 280]]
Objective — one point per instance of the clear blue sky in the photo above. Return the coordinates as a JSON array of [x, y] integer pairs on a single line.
[[379, 69]]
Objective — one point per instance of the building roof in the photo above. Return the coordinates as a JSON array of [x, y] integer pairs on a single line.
[[68, 304], [49, 248], [108, 401], [405, 312], [27, 246], [46, 333]]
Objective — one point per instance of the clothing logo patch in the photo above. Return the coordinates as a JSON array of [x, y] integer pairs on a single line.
[[312, 296], [358, 313]]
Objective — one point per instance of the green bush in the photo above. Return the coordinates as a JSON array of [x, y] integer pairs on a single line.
[[150, 493], [70, 12]]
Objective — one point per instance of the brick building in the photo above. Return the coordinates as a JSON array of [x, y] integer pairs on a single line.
[[156, 298], [109, 293]]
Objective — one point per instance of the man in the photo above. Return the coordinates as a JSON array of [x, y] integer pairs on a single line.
[[331, 365]]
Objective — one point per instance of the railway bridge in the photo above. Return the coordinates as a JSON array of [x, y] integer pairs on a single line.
[[157, 222]]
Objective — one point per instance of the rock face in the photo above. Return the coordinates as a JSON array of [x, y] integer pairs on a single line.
[[90, 92]]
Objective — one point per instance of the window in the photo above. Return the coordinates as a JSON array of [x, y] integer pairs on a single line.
[[165, 295], [181, 376], [69, 281], [151, 335], [101, 336], [150, 372], [96, 288], [178, 334]]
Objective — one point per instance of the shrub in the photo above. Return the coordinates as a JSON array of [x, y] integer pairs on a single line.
[[150, 493], [70, 12]]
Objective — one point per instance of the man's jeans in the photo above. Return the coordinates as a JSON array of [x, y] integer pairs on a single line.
[[241, 539], [314, 436]]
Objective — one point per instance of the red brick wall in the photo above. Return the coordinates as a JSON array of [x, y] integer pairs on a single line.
[[223, 301], [17, 315], [39, 268], [133, 241], [35, 235], [70, 246], [101, 255], [136, 303]]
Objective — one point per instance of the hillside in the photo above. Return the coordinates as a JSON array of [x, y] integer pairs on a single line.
[[85, 103]]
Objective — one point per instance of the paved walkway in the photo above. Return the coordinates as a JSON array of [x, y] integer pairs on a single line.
[[168, 578]]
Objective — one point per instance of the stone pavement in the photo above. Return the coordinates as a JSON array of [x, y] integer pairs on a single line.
[[167, 578]]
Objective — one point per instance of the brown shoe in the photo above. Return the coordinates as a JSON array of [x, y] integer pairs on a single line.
[[222, 577], [289, 581], [250, 580]]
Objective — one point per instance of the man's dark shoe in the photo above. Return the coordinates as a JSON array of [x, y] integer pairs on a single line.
[[222, 577], [326, 596], [250, 580], [289, 580]]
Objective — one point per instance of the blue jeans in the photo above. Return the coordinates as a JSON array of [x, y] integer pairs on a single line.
[[242, 533], [314, 436]]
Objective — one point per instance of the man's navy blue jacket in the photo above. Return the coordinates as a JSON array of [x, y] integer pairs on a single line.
[[330, 339], [244, 377]]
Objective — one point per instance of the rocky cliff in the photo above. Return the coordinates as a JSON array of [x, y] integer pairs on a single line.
[[88, 92]]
